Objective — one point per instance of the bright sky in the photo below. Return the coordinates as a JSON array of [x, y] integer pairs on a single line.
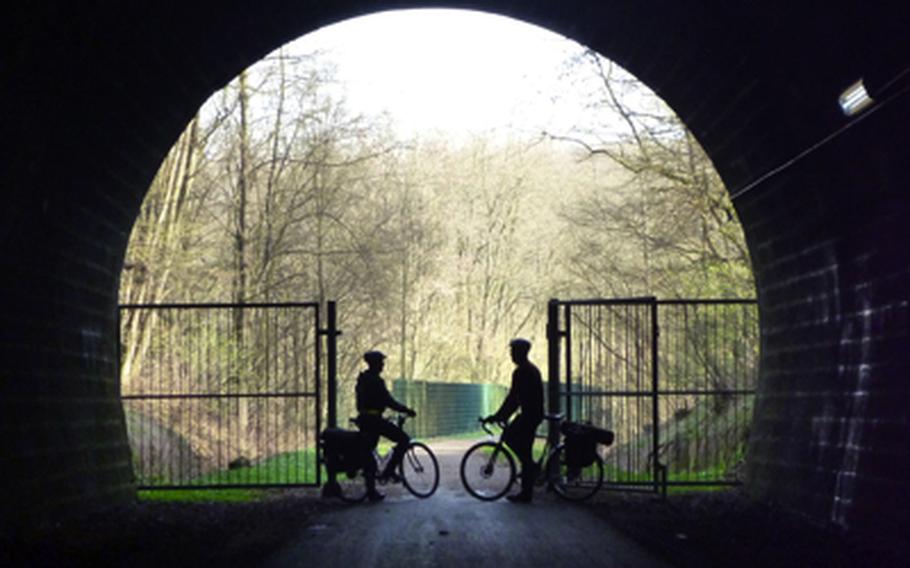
[[451, 69]]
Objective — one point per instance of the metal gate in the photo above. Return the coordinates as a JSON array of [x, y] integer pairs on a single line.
[[225, 395], [674, 379]]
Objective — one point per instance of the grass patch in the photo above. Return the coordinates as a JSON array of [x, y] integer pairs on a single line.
[[282, 469], [613, 474], [680, 489], [286, 468], [201, 495]]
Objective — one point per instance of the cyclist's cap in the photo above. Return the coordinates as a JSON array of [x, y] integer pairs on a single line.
[[520, 344], [373, 356]]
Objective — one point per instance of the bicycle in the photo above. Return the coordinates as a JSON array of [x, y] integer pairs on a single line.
[[488, 468], [418, 471]]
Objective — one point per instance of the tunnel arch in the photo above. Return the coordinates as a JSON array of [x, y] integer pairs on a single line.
[[100, 96]]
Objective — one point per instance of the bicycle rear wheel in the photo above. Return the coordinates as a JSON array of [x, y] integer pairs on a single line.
[[487, 471], [573, 484], [352, 489], [420, 470]]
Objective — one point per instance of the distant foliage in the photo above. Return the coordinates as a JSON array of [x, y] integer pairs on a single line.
[[438, 252]]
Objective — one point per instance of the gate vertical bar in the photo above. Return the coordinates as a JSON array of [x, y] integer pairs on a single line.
[[332, 367], [568, 336], [553, 368], [655, 381], [318, 379]]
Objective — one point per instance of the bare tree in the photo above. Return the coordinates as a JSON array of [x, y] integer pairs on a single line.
[[663, 224], [161, 237]]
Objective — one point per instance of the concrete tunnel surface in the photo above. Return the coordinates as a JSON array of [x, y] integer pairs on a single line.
[[452, 528]]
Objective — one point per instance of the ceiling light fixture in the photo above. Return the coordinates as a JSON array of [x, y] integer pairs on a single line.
[[855, 99]]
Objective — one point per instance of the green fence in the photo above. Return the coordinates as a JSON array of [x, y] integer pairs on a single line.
[[445, 409]]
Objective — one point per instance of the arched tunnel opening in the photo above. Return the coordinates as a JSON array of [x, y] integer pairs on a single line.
[[97, 98], [531, 169]]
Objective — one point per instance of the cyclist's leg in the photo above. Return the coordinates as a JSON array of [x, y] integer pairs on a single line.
[[402, 440], [370, 440], [520, 437]]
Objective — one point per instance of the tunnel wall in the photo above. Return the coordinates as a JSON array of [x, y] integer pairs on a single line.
[[830, 429], [98, 96]]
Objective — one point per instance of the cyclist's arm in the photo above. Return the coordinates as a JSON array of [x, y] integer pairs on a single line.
[[509, 406], [397, 406], [390, 402]]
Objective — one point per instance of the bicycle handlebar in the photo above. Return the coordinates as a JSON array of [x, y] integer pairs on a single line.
[[483, 424]]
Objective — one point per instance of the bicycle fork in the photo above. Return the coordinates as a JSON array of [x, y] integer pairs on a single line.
[[488, 469], [413, 460]]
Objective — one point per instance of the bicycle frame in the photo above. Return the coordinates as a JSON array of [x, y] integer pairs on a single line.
[[502, 445], [418, 471], [482, 467], [382, 459]]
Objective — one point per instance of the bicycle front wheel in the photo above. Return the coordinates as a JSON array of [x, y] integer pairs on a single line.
[[487, 471], [574, 484], [420, 470]]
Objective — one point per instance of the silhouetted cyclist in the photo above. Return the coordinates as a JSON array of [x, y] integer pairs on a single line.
[[372, 399], [526, 393]]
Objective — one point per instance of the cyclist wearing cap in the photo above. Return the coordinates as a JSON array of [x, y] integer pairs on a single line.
[[525, 393], [372, 399]]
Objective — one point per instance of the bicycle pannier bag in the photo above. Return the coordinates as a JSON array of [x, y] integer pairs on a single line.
[[343, 450], [581, 443]]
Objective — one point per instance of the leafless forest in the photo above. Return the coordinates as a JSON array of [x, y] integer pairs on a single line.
[[438, 250]]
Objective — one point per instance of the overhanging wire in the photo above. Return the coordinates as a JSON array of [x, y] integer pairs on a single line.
[[734, 195]]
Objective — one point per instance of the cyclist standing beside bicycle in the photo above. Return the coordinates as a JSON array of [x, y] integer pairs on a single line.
[[372, 399], [525, 393]]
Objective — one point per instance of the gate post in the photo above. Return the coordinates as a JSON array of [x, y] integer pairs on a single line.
[[331, 488], [332, 363], [553, 336]]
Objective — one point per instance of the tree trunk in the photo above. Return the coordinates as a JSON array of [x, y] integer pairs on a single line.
[[240, 265]]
